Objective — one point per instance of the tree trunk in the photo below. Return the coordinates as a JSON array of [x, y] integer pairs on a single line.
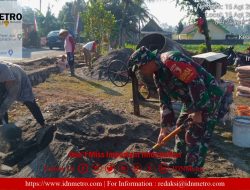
[[202, 13], [120, 34], [206, 31], [121, 24], [206, 34]]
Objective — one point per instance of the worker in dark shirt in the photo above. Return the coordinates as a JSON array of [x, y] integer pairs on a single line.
[[15, 86]]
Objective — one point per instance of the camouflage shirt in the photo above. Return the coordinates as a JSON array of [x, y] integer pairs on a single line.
[[182, 79]]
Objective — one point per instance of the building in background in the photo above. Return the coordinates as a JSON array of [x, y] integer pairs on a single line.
[[216, 32], [152, 27]]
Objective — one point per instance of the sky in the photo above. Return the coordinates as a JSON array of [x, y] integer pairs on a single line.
[[164, 10]]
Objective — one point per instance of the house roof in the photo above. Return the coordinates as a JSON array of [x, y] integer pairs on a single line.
[[152, 26], [192, 28], [189, 29]]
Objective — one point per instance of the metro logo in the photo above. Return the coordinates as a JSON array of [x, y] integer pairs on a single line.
[[10, 16]]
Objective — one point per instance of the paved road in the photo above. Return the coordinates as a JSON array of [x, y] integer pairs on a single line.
[[34, 53]]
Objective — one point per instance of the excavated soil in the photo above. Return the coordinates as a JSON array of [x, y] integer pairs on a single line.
[[84, 139], [100, 66], [86, 132]]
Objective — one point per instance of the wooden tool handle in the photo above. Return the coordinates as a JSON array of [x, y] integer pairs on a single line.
[[166, 139], [171, 135]]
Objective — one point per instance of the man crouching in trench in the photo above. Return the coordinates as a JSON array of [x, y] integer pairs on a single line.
[[178, 77]]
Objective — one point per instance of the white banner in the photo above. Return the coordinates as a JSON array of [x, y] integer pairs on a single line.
[[10, 29]]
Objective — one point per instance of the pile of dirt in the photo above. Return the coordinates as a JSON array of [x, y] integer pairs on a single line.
[[79, 128], [90, 140], [100, 66]]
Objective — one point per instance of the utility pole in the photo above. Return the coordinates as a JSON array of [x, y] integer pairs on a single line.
[[40, 6], [139, 30]]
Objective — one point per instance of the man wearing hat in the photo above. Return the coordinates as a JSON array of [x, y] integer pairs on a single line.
[[15, 86], [178, 77], [69, 46]]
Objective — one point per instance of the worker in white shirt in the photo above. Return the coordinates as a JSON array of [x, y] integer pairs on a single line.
[[89, 49]]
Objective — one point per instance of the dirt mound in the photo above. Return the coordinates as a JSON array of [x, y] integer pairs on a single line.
[[100, 66], [81, 128], [89, 140]]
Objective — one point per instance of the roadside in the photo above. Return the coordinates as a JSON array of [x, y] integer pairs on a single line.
[[35, 53], [65, 100]]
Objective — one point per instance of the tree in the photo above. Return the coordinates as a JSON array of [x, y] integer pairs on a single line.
[[28, 15], [168, 28], [98, 21], [130, 15], [198, 8], [180, 27], [232, 25], [46, 23], [66, 16], [31, 37]]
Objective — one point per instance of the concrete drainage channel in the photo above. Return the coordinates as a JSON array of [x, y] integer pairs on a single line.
[[42, 69], [12, 149]]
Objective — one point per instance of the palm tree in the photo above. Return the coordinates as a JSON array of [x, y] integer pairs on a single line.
[[129, 14]]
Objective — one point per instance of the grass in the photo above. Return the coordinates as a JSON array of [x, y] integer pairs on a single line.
[[130, 46], [231, 74], [77, 88], [63, 89], [201, 48]]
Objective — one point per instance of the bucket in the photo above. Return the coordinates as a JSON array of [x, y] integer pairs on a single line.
[[241, 131], [161, 43]]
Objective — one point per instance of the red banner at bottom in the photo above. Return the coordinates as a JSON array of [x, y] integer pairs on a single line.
[[124, 183]]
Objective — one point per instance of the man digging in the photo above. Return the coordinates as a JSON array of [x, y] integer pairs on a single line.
[[178, 77], [18, 88]]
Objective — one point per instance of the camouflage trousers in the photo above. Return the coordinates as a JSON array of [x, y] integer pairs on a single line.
[[192, 142]]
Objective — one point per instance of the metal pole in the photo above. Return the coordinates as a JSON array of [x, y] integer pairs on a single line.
[[40, 5]]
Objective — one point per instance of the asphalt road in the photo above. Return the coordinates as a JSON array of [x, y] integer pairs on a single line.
[[34, 53]]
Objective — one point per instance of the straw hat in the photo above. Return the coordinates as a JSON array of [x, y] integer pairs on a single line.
[[62, 31]]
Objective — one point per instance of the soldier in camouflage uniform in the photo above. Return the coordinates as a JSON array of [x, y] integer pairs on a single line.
[[178, 77]]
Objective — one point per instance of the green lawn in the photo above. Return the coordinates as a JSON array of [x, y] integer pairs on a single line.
[[231, 74], [201, 48]]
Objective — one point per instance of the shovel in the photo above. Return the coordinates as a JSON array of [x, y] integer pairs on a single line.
[[145, 161], [171, 135]]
